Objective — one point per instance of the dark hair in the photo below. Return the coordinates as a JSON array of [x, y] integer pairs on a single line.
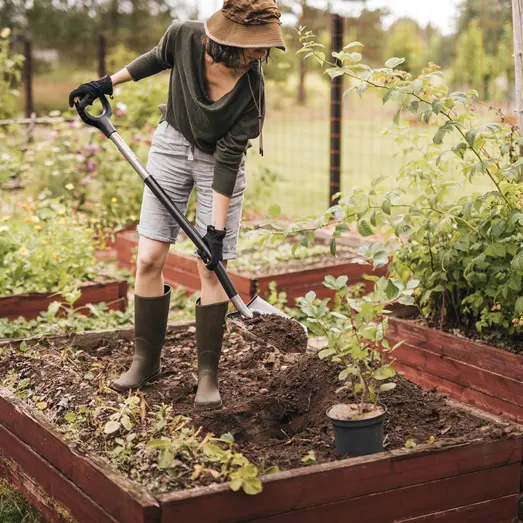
[[229, 55]]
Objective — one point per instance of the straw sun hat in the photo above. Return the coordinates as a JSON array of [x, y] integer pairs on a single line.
[[246, 24]]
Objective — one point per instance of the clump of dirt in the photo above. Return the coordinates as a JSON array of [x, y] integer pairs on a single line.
[[284, 333], [274, 403]]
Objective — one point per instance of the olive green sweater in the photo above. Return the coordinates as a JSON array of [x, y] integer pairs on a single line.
[[222, 128]]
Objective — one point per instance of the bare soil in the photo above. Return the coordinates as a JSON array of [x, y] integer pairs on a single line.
[[274, 403], [285, 334]]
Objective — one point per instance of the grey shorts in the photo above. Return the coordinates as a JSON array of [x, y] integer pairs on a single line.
[[179, 167]]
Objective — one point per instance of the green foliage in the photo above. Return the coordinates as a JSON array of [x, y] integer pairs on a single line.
[[43, 250], [404, 39], [208, 456], [14, 508], [355, 335], [11, 68], [470, 66], [62, 318], [467, 252]]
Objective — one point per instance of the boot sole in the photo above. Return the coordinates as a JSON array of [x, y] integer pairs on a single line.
[[145, 381], [208, 406]]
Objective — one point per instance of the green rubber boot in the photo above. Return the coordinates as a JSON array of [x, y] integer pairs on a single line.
[[210, 327], [150, 320]]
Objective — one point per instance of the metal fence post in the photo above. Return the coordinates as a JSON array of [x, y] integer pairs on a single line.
[[101, 55], [28, 78], [336, 112]]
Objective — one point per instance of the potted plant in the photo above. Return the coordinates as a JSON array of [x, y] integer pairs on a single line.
[[355, 333]]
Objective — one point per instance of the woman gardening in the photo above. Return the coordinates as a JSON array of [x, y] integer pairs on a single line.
[[215, 106]]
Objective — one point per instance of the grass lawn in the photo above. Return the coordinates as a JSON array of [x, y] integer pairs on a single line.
[[14, 508]]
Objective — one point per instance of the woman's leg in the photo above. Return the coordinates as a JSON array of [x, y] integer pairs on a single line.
[[211, 288], [149, 267], [151, 310]]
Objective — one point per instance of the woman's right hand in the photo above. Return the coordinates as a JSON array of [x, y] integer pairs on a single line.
[[87, 93]]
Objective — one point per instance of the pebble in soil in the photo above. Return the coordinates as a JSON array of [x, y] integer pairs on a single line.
[[283, 333], [274, 403]]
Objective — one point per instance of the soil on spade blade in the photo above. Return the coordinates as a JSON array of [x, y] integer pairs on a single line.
[[285, 334], [274, 405]]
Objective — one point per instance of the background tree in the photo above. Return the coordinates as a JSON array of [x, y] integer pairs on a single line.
[[405, 41], [470, 64]]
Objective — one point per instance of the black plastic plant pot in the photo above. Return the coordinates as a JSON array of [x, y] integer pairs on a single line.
[[358, 437]]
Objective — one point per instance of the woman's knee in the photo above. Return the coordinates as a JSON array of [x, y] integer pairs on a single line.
[[151, 256], [208, 277]]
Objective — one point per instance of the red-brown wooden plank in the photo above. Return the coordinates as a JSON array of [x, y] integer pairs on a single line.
[[417, 500], [466, 395], [461, 349], [461, 373], [341, 480], [30, 305], [50, 481], [499, 510], [123, 499]]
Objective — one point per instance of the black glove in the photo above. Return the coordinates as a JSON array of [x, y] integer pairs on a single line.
[[214, 240], [88, 92]]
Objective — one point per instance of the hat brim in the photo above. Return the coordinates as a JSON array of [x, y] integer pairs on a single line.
[[226, 32]]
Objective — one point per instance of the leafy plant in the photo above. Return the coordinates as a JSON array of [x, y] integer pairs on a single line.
[[11, 67], [355, 336], [62, 318], [211, 456], [43, 250], [463, 241]]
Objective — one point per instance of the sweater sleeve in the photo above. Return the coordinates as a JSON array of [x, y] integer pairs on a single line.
[[231, 148], [159, 58]]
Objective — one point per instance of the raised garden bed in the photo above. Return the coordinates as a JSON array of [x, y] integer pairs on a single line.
[[274, 406], [296, 280], [112, 291], [472, 372]]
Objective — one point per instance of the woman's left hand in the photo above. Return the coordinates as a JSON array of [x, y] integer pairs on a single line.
[[214, 240]]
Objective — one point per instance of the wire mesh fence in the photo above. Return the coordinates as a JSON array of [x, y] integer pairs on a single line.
[[472, 43]]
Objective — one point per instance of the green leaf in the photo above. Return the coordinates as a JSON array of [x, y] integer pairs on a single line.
[[384, 372], [386, 207], [353, 44], [517, 262], [325, 353], [394, 62], [460, 149], [496, 250], [388, 95], [364, 228], [111, 427], [334, 72], [227, 437], [519, 306], [410, 444], [70, 417], [126, 422], [396, 119], [387, 386], [235, 484], [252, 486], [274, 211], [438, 105], [332, 246]]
